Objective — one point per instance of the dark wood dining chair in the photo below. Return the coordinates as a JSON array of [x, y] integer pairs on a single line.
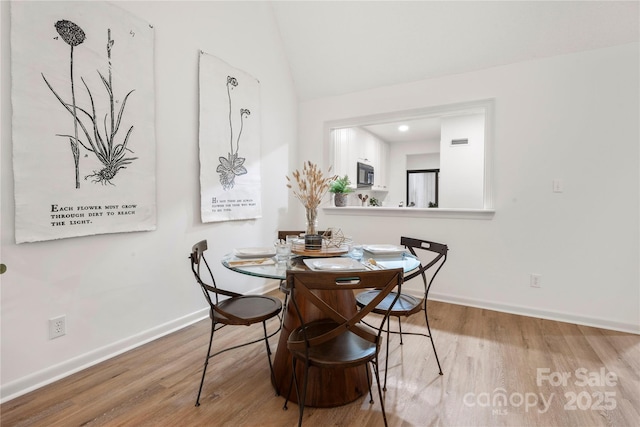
[[231, 308], [406, 304], [335, 340]]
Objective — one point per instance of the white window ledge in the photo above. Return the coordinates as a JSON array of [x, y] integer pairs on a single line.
[[411, 212]]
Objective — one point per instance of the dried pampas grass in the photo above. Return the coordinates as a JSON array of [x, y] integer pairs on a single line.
[[311, 184]]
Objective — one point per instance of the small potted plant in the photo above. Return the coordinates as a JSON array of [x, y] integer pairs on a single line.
[[340, 188]]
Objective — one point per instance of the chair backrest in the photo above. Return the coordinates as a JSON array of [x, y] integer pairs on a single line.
[[315, 287], [433, 266], [197, 261], [282, 234]]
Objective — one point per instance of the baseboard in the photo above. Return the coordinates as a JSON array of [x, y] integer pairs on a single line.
[[54, 373], [541, 314]]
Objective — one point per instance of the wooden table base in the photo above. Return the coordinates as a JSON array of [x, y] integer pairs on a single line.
[[326, 387]]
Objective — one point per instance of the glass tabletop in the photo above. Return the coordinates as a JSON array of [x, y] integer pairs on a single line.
[[278, 270]]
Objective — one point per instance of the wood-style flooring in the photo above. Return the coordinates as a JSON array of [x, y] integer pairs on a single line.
[[499, 370]]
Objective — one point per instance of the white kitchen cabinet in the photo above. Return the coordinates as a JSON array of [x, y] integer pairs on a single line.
[[352, 145], [367, 148], [381, 166], [344, 154]]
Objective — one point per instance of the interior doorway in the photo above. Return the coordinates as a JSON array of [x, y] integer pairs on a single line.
[[422, 188]]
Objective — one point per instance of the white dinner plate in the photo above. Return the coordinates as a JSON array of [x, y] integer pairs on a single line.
[[255, 252], [334, 264], [384, 249]]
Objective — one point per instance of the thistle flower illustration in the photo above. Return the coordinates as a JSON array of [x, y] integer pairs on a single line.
[[232, 165], [73, 35], [111, 155]]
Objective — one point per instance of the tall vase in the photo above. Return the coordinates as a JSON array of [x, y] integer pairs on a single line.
[[312, 220]]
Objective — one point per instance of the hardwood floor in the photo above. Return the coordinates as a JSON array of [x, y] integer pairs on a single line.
[[491, 364]]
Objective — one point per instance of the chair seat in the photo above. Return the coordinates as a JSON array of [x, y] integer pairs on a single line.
[[347, 349], [250, 308], [404, 306]]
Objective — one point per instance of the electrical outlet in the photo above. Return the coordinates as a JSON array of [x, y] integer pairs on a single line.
[[535, 280], [57, 327]]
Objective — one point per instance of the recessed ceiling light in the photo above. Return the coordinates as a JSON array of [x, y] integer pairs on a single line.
[[403, 128]]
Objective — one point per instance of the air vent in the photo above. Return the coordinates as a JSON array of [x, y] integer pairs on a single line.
[[464, 141]]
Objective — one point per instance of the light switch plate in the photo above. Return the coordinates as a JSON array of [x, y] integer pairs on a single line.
[[557, 186]]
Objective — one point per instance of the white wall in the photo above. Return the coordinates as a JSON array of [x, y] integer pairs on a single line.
[[120, 290], [462, 166], [574, 118], [422, 161]]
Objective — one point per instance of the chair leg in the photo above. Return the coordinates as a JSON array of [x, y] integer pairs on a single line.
[[206, 362], [284, 305], [293, 376], [377, 374], [386, 359], [369, 382], [294, 381], [426, 318], [266, 341], [302, 399]]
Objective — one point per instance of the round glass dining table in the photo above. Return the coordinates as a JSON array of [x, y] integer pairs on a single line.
[[326, 387], [270, 269]]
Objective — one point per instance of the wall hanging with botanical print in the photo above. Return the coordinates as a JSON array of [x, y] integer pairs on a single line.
[[230, 184], [83, 120]]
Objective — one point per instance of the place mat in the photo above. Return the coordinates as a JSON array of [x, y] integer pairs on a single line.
[[249, 262], [255, 252], [384, 249], [334, 264], [325, 251]]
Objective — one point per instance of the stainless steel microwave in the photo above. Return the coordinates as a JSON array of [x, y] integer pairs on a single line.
[[365, 175]]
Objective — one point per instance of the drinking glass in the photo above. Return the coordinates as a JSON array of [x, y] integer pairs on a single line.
[[291, 239], [283, 251], [356, 251]]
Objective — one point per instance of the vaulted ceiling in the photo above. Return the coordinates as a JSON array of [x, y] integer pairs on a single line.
[[337, 47]]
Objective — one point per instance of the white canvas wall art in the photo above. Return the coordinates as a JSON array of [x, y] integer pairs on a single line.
[[83, 120], [230, 183]]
